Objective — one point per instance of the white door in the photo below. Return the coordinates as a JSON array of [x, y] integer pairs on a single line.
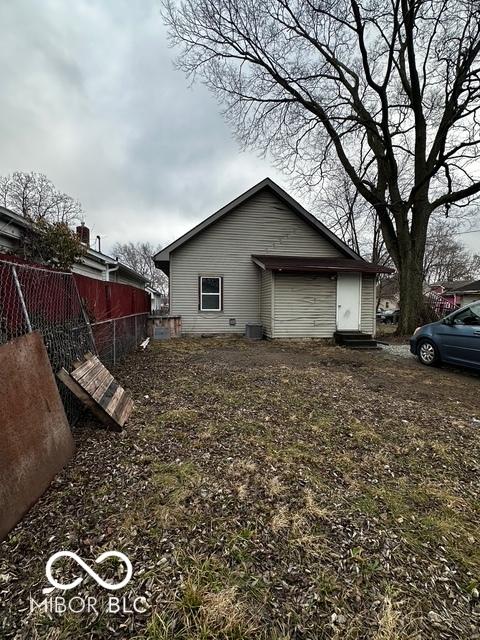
[[349, 288]]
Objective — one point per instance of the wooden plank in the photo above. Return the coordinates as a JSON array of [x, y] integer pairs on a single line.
[[83, 368], [112, 405], [83, 396], [123, 409], [108, 395], [94, 385], [90, 375], [96, 381], [94, 364], [102, 387]]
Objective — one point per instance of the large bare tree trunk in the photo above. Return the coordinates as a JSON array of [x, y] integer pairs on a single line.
[[411, 294]]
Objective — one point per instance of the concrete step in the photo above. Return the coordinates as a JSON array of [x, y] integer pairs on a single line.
[[372, 347], [342, 337], [359, 342]]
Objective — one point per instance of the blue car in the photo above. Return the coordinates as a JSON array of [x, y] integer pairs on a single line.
[[453, 340]]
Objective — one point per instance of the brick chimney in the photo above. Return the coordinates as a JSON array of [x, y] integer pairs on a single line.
[[83, 234]]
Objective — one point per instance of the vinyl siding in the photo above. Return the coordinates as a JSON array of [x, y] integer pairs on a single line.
[[262, 225], [266, 293], [367, 319], [304, 306]]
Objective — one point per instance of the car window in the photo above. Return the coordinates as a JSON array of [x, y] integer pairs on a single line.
[[468, 316]]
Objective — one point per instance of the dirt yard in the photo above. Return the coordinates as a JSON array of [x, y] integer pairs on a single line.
[[268, 491]]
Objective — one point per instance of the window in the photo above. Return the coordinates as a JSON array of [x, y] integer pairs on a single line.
[[210, 293], [469, 315]]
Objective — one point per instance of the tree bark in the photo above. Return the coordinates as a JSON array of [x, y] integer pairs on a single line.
[[411, 291]]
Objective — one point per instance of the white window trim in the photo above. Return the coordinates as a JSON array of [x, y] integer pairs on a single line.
[[219, 294]]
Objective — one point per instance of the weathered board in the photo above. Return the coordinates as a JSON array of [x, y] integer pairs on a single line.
[[96, 388]]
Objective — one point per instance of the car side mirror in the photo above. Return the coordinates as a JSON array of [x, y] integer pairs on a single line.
[[447, 321]]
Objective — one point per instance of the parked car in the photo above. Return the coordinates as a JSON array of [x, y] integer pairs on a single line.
[[392, 316], [380, 316], [455, 339]]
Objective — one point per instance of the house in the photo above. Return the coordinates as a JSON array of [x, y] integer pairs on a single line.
[[264, 259], [93, 264], [158, 301], [388, 295], [101, 266], [459, 292]]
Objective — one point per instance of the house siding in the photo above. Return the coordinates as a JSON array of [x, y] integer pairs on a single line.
[[266, 293], [305, 306], [261, 225], [367, 318]]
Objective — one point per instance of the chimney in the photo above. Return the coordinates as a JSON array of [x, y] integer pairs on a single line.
[[83, 234]]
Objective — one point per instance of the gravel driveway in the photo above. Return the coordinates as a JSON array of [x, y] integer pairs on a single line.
[[397, 350]]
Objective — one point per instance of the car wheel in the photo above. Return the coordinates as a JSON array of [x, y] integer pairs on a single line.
[[427, 353]]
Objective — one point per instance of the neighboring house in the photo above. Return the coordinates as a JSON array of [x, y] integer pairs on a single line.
[[264, 259], [388, 295], [12, 226], [94, 264], [159, 302], [459, 293]]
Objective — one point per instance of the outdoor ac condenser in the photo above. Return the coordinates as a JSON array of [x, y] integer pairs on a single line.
[[254, 331]]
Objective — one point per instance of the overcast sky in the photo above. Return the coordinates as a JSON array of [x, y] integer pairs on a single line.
[[89, 96]]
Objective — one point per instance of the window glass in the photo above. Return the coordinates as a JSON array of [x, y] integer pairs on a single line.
[[210, 285], [210, 293], [211, 302], [469, 316]]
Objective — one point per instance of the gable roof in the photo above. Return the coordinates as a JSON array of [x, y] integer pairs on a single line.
[[162, 258], [470, 286]]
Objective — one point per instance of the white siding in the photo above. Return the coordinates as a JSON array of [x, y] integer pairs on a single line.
[[368, 304], [305, 306], [262, 225], [266, 293]]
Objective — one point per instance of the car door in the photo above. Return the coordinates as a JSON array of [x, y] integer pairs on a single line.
[[460, 340]]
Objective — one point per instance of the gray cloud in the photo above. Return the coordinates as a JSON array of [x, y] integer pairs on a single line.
[[90, 98]]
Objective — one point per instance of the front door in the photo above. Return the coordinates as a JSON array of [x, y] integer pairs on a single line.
[[349, 289]]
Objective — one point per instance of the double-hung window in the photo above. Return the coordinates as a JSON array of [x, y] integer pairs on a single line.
[[210, 293]]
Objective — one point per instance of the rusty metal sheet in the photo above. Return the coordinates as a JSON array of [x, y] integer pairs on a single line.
[[35, 438]]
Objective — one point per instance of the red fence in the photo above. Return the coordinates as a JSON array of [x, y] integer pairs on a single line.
[[107, 300], [102, 300]]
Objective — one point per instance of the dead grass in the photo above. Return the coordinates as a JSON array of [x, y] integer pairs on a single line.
[[270, 491]]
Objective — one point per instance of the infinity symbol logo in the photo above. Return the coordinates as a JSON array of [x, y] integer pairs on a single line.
[[71, 585]]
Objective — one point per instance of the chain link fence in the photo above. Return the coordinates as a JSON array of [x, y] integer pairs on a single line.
[[37, 299], [117, 337]]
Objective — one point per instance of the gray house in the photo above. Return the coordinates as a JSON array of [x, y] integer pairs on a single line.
[[264, 259]]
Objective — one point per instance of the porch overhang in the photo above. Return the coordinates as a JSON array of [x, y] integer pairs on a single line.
[[305, 264]]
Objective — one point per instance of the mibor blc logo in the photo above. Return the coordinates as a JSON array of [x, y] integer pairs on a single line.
[[88, 604], [75, 583]]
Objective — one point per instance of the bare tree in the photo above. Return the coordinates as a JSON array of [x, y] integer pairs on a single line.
[[138, 256], [34, 196], [446, 258], [389, 88]]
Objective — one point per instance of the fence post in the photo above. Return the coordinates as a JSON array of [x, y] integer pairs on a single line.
[[22, 299], [114, 343], [136, 339], [85, 318]]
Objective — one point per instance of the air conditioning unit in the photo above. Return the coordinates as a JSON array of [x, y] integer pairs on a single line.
[[254, 331]]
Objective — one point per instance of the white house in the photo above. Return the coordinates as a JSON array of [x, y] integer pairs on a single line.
[[264, 259], [94, 264]]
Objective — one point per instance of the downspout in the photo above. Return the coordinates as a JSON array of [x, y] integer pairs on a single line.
[[109, 271]]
